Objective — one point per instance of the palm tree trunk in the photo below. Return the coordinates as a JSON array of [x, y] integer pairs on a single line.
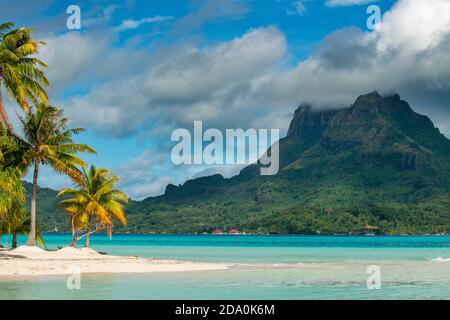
[[88, 236], [3, 114], [74, 235], [32, 236], [14, 240]]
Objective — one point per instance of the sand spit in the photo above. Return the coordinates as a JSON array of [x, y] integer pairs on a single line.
[[26, 261]]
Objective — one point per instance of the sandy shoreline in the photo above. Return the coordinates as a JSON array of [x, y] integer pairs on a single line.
[[33, 261]]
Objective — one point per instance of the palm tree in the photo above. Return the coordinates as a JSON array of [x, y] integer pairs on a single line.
[[18, 222], [20, 73], [49, 142], [94, 198]]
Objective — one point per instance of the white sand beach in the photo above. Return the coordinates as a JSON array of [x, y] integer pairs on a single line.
[[29, 261]]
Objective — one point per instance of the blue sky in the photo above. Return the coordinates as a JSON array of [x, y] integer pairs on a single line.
[[137, 70]]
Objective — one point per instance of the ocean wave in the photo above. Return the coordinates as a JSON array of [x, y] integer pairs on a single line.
[[440, 259]]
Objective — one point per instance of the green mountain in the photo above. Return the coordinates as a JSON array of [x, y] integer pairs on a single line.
[[374, 167], [50, 215]]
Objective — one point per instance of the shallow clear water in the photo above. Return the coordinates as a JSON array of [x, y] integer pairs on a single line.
[[266, 267]]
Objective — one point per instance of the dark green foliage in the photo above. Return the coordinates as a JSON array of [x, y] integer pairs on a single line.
[[50, 214]]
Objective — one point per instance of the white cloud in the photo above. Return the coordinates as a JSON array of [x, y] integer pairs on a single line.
[[298, 8], [407, 53], [104, 17], [208, 83], [212, 83], [134, 24], [207, 11], [71, 57], [151, 172], [414, 26], [140, 177], [339, 3], [84, 59]]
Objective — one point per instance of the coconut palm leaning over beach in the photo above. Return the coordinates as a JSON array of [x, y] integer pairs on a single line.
[[48, 141], [94, 201], [20, 73]]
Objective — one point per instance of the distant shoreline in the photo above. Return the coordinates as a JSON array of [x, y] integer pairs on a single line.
[[266, 234]]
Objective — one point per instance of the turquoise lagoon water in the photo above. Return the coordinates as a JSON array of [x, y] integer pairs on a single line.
[[264, 267]]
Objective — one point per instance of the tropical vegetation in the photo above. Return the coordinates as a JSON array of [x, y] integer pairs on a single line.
[[20, 71], [94, 204], [48, 141], [44, 138]]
